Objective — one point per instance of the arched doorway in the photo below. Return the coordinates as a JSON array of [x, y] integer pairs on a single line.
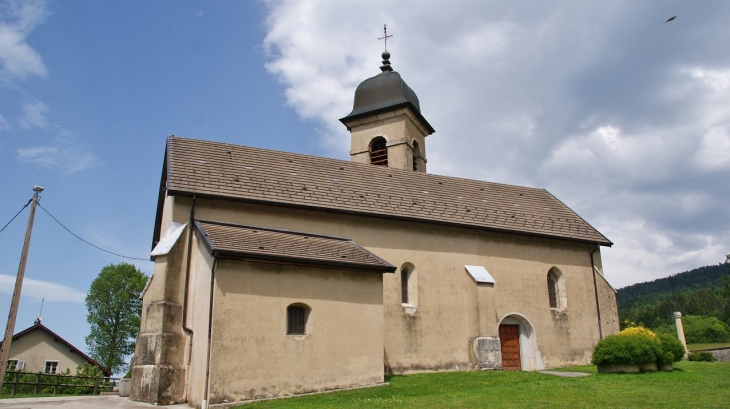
[[518, 343]]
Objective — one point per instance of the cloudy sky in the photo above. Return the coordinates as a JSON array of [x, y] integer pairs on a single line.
[[623, 117]]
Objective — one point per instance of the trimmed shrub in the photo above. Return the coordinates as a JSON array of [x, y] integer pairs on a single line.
[[702, 356], [671, 345], [627, 349]]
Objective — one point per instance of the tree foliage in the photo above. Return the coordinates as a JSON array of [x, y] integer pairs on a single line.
[[114, 310]]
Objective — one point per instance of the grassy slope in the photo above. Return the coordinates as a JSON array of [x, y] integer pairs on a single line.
[[692, 385]]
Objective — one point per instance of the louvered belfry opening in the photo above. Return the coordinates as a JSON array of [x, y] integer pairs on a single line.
[[379, 152], [404, 286], [296, 320], [416, 155], [552, 283]]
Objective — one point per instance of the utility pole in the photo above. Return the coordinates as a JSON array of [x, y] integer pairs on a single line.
[[5, 354]]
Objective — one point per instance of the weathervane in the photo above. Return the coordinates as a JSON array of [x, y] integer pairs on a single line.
[[385, 36]]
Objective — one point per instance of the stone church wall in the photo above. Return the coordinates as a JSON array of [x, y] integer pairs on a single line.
[[437, 334], [609, 309]]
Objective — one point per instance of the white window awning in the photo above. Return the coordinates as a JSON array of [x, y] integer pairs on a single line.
[[480, 274], [169, 239]]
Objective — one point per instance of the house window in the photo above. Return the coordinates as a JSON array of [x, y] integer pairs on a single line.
[[296, 319], [379, 152], [12, 364], [416, 155], [51, 367], [556, 289]]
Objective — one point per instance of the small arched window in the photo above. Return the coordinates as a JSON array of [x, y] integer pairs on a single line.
[[552, 283], [416, 155], [296, 319], [556, 289], [379, 152], [404, 286], [409, 284]]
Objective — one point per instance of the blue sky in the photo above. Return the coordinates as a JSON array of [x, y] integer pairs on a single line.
[[624, 118]]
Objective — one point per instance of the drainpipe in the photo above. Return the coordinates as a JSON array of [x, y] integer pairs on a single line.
[[204, 404], [595, 290], [187, 330]]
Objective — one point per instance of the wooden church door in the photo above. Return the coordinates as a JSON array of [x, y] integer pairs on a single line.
[[509, 338]]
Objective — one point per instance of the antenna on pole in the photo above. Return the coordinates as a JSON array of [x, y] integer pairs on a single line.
[[40, 314]]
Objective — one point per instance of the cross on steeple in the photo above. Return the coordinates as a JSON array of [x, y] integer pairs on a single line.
[[385, 36]]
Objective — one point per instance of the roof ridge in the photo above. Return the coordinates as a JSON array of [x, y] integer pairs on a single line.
[[356, 164]]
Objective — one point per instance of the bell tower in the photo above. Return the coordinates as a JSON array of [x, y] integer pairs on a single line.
[[386, 126]]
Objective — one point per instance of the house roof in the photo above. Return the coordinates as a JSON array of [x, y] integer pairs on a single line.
[[254, 175], [58, 338], [266, 244]]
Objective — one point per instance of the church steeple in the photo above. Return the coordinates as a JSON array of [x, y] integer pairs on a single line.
[[386, 125]]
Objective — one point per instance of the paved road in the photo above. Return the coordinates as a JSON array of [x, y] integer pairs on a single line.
[[78, 402]]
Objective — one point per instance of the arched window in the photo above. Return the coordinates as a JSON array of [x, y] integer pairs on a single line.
[[556, 289], [404, 286], [409, 284], [379, 152], [296, 319], [416, 155], [552, 283]]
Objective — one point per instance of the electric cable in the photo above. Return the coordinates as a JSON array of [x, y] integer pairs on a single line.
[[16, 215], [96, 247]]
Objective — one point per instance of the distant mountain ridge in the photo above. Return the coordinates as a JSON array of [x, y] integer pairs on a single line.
[[642, 293]]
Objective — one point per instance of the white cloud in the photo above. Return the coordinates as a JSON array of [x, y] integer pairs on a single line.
[[3, 123], [714, 153], [17, 21], [34, 115], [591, 100], [64, 154], [38, 289], [718, 80]]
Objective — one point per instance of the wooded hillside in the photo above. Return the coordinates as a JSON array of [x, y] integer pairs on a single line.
[[702, 295], [651, 291]]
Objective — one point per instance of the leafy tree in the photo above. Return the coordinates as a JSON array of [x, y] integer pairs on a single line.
[[114, 310]]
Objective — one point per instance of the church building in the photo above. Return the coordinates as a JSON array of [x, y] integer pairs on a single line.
[[279, 274]]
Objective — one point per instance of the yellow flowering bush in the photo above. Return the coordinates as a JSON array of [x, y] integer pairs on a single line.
[[641, 331]]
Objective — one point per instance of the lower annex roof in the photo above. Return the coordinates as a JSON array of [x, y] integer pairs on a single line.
[[266, 244], [221, 170]]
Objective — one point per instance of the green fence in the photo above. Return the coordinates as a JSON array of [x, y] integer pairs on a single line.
[[19, 382]]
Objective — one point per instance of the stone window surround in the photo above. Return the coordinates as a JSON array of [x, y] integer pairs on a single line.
[[411, 292], [560, 293]]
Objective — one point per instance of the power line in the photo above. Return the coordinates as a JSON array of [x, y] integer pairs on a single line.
[[96, 247], [16, 215]]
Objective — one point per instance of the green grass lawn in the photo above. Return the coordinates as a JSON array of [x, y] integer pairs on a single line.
[[691, 385], [695, 347]]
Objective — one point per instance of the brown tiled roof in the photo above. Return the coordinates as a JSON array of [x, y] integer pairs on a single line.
[[261, 243], [214, 169]]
